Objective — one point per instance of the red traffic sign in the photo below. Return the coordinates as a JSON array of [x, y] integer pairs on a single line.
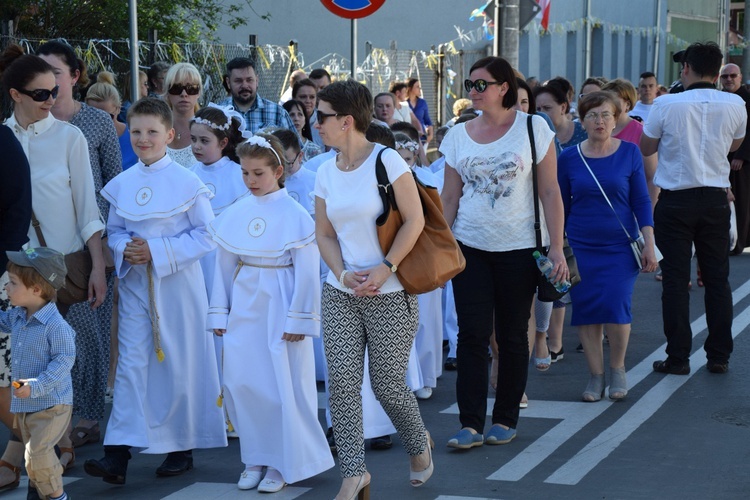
[[352, 9]]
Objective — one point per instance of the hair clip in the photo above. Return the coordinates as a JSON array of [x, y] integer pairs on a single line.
[[410, 145], [263, 143]]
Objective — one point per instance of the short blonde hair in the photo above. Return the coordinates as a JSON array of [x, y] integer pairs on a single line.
[[183, 73], [460, 105]]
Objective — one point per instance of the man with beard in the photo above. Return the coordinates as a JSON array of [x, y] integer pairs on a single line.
[[242, 82], [739, 177]]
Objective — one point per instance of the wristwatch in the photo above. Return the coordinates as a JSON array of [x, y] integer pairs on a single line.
[[390, 266]]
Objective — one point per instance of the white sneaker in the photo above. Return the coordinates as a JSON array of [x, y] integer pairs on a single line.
[[423, 393], [249, 479]]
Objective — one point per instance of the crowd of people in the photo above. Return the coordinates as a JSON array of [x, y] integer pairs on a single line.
[[235, 262]]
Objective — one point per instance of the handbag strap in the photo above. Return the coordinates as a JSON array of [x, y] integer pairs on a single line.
[[537, 224], [580, 153], [385, 189], [37, 229]]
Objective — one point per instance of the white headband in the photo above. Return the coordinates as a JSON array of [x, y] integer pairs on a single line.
[[230, 113], [410, 145], [263, 143]]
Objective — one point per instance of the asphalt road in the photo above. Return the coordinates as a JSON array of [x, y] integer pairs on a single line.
[[675, 437]]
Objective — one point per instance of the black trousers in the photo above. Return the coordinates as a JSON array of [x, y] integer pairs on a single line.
[[497, 285], [681, 218]]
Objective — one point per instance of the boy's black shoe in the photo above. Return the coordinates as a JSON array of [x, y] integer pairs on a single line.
[[671, 367], [176, 463], [32, 494], [113, 467]]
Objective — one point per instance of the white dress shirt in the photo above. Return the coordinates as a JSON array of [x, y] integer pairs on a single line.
[[62, 185], [695, 129]]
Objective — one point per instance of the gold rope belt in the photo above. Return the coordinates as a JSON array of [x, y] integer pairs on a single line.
[[154, 313]]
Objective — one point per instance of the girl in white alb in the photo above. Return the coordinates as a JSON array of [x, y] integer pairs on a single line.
[[429, 339], [265, 303]]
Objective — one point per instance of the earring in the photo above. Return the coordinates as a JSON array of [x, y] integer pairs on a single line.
[[343, 128]]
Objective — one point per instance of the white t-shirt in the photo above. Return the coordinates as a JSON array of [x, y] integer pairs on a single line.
[[641, 110], [352, 205], [695, 129], [300, 186], [404, 113], [496, 208]]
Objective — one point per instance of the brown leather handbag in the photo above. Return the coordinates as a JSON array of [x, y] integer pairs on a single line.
[[79, 265], [435, 257]]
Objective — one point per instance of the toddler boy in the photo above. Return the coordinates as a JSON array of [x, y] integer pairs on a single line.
[[43, 347]]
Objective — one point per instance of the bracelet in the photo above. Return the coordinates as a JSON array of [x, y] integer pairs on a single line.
[[341, 278]]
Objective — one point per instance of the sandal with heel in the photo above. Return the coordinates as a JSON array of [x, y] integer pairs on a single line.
[[618, 385], [595, 389], [362, 492], [418, 478]]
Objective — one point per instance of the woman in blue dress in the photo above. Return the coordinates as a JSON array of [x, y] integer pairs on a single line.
[[606, 261]]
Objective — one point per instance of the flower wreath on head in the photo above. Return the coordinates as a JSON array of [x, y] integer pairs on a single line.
[[409, 145], [230, 113], [263, 143]]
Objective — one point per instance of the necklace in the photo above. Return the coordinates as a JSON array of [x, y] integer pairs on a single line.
[[361, 158]]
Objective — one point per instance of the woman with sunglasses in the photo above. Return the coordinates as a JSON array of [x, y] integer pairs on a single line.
[[63, 194], [362, 288], [92, 326], [184, 87], [301, 120], [489, 202]]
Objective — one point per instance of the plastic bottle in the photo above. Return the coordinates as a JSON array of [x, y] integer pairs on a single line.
[[545, 266]]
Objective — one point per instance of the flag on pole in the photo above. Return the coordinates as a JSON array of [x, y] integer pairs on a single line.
[[543, 14]]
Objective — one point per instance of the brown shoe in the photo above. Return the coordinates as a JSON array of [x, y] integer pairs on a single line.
[[13, 482], [83, 435], [717, 367]]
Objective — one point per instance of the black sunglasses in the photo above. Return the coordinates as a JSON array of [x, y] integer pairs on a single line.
[[730, 75], [41, 95], [190, 88], [321, 117], [479, 85]]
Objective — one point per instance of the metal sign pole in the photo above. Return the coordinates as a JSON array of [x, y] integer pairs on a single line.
[[354, 49], [134, 84]]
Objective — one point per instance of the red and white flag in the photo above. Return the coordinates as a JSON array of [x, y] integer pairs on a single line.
[[544, 13]]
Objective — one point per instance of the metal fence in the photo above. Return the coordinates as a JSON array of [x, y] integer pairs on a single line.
[[440, 72]]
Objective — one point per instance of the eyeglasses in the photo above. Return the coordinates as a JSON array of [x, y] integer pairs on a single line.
[[289, 163], [479, 85], [190, 88], [41, 95], [604, 115], [730, 75], [321, 117]]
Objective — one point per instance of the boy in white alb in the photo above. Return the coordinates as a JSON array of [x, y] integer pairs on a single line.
[[167, 379]]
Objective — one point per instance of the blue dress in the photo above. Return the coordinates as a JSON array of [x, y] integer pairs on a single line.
[[605, 259]]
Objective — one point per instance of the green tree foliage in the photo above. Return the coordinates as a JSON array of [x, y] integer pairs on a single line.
[[174, 20]]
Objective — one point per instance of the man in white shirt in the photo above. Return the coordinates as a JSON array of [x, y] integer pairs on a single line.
[[693, 131], [647, 87]]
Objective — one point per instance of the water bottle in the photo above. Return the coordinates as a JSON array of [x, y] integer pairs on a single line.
[[545, 266]]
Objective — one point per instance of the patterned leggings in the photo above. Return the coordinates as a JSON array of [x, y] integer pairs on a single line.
[[386, 324]]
